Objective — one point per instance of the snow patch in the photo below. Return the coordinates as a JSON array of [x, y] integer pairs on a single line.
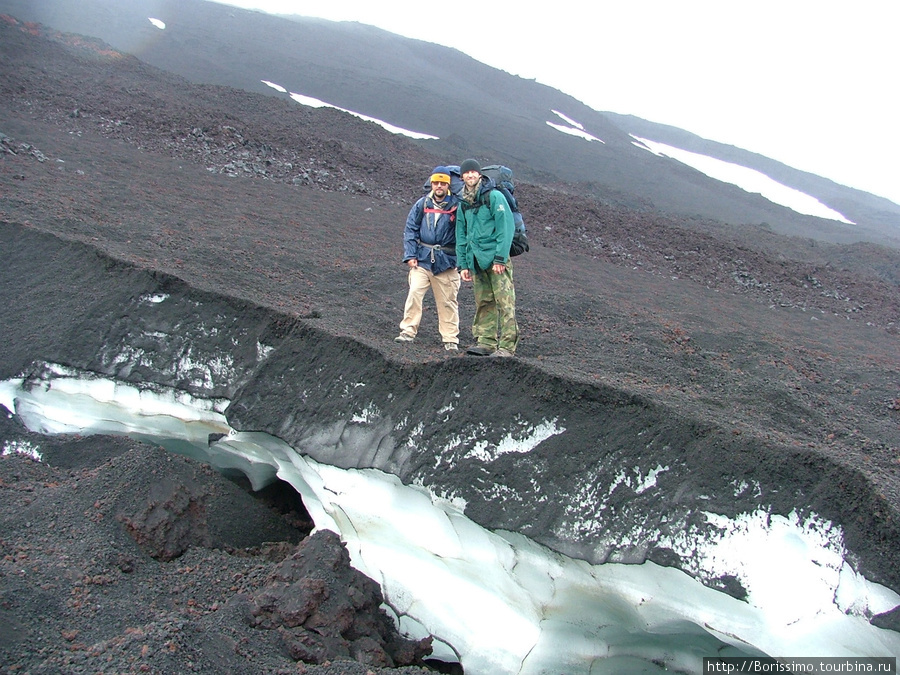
[[276, 87], [792, 566], [318, 103], [746, 179], [369, 414], [24, 448], [568, 120], [572, 127], [263, 351], [488, 452]]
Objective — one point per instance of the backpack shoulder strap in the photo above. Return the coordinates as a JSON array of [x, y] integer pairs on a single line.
[[420, 208]]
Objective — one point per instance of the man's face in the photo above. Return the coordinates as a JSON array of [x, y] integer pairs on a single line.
[[440, 189], [471, 177]]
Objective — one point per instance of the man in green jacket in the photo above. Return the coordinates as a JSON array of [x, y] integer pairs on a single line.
[[484, 232]]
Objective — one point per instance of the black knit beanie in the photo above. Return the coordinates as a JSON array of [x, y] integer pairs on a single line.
[[469, 165]]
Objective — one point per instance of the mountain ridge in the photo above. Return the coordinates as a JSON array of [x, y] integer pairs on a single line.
[[373, 72]]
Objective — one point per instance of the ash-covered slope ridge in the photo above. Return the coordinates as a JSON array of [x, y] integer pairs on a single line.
[[540, 131], [559, 513]]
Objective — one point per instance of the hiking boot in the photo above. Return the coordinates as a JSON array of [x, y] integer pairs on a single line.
[[480, 350], [450, 347], [404, 337], [502, 352]]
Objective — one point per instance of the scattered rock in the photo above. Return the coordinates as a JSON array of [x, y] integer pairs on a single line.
[[324, 609]]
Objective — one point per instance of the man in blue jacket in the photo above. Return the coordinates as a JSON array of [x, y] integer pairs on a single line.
[[484, 232], [429, 250]]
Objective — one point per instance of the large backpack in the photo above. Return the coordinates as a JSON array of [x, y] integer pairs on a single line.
[[503, 181]]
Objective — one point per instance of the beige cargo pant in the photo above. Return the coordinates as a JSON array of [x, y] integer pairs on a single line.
[[445, 287]]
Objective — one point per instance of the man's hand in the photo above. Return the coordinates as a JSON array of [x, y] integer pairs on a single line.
[[413, 263], [466, 275], [498, 268]]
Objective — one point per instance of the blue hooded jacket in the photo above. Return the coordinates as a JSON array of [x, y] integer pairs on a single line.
[[430, 234]]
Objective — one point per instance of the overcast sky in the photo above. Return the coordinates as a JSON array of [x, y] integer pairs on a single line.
[[811, 83]]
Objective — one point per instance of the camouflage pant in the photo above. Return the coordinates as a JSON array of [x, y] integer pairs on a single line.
[[495, 309]]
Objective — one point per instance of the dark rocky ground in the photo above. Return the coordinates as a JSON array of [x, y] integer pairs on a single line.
[[121, 557], [789, 341]]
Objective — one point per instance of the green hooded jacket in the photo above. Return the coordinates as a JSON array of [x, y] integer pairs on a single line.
[[484, 231]]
